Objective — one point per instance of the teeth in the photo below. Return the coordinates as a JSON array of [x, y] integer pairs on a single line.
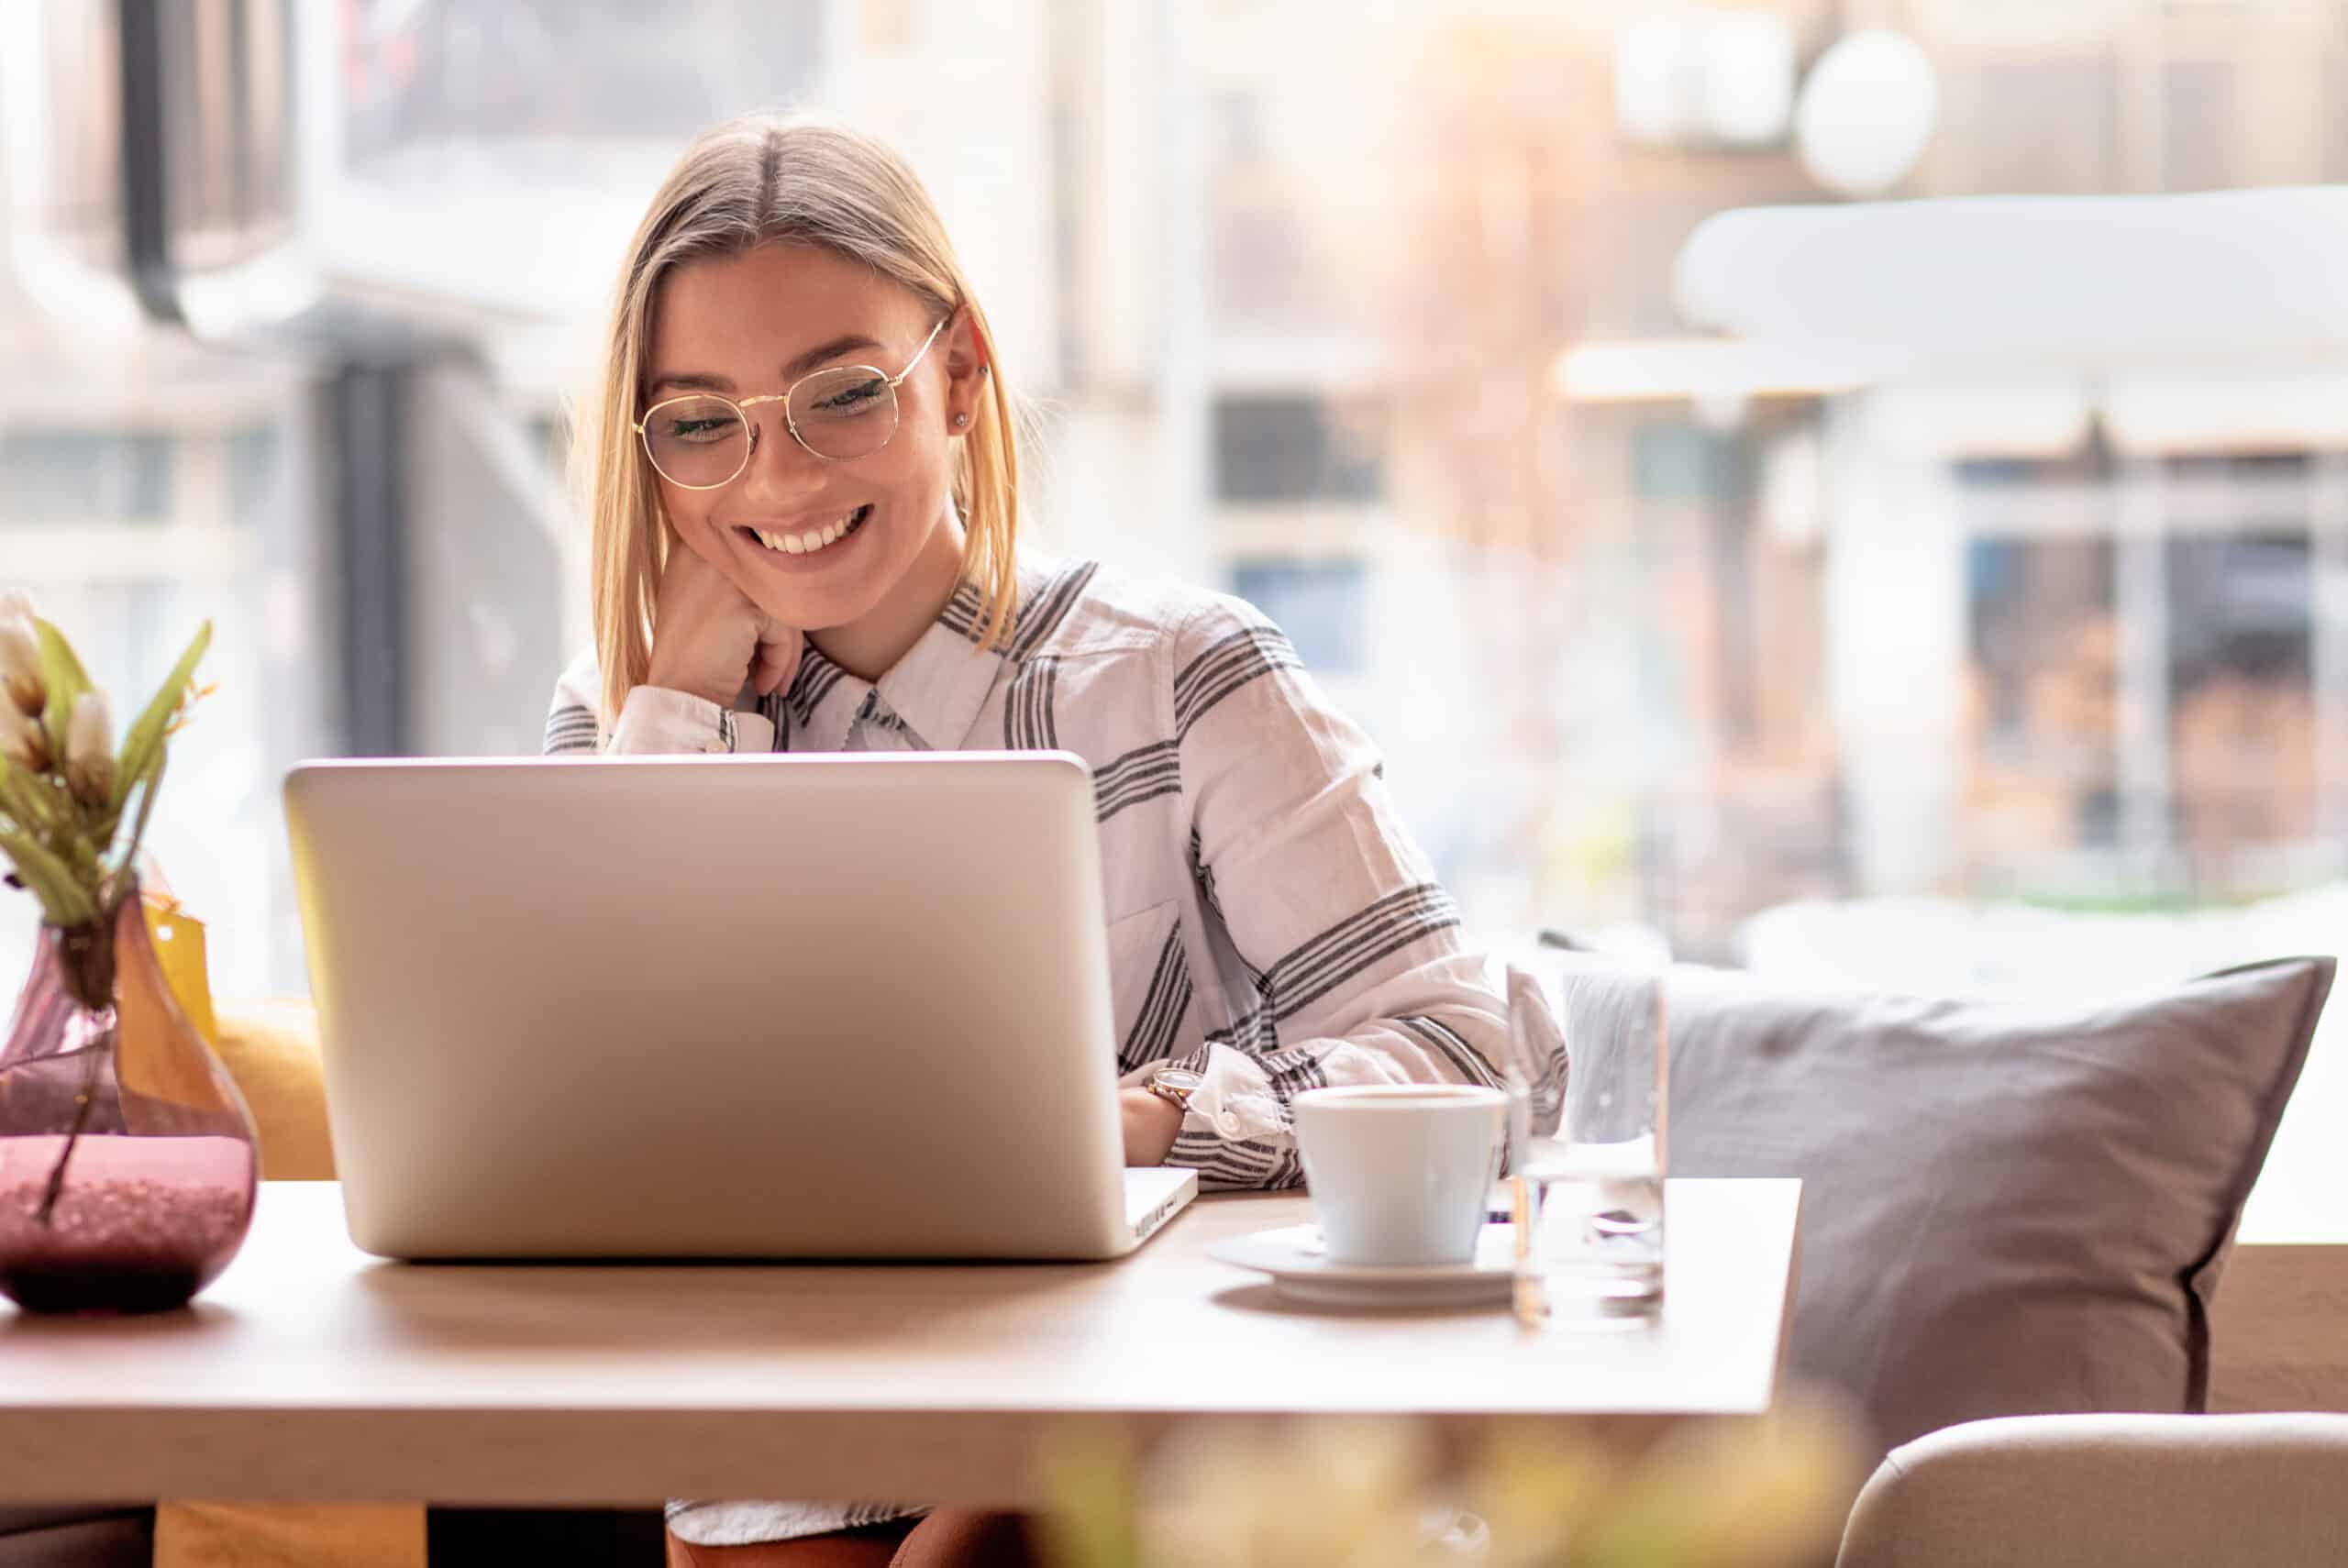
[[807, 543]]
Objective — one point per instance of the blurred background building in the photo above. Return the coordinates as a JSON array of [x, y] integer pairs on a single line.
[[1375, 313]]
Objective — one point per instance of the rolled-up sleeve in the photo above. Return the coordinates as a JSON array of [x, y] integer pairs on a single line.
[[1351, 947], [654, 721]]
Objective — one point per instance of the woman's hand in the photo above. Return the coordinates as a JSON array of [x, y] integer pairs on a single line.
[[708, 638], [1152, 1123]]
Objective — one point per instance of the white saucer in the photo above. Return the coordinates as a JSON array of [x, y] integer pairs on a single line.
[[1302, 1270]]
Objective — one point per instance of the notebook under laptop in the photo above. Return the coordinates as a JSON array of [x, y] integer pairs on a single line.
[[775, 1007]]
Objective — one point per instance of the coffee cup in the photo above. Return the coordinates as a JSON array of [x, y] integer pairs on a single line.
[[1400, 1172]]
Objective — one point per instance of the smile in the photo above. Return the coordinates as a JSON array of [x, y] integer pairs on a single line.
[[814, 539]]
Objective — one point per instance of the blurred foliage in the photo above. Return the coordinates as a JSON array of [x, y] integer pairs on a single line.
[[1769, 1493]]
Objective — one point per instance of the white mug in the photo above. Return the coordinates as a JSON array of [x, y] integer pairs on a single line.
[[1399, 1173]]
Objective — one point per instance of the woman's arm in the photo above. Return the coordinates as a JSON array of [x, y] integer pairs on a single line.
[[1150, 1123], [1353, 952], [709, 644], [656, 722]]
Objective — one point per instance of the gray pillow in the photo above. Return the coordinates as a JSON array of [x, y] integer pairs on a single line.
[[2006, 1210]]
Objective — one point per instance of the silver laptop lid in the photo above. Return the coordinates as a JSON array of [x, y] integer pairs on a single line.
[[749, 1007]]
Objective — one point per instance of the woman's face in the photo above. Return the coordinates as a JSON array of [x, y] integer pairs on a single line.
[[748, 325]]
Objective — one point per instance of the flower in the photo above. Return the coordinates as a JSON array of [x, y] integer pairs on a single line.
[[22, 740], [72, 809], [89, 749], [20, 676]]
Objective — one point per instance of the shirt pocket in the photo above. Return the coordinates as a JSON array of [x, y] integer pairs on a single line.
[[1149, 979]]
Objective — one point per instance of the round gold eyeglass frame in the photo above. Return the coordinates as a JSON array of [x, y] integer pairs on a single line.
[[741, 408]]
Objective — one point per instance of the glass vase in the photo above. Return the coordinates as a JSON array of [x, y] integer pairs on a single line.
[[127, 1167]]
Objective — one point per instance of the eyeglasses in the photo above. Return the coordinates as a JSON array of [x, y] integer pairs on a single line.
[[702, 441]]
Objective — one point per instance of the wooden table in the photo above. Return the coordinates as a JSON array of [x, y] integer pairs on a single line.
[[313, 1372], [2277, 1342]]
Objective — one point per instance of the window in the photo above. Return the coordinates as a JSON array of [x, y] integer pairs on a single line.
[[256, 460], [1294, 285], [68, 475], [1322, 605], [1290, 448], [1680, 462], [2041, 701], [453, 82], [2241, 709]]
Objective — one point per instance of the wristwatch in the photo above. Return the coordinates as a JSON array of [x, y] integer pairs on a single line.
[[1175, 1084]]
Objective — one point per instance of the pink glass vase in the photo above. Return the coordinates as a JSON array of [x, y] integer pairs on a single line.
[[127, 1167]]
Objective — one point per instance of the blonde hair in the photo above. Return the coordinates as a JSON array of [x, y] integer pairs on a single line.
[[750, 181]]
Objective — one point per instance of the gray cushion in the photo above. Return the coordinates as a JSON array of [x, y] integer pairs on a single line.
[[2006, 1209]]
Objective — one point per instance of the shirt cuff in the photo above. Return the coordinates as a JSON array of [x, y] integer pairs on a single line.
[[655, 721], [1236, 1103]]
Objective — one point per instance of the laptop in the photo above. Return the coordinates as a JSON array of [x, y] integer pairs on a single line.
[[769, 1007]]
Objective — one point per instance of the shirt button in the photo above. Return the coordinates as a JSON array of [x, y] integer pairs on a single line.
[[1229, 1124]]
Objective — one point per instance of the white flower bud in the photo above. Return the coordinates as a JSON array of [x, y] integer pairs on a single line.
[[89, 749], [21, 679], [21, 740]]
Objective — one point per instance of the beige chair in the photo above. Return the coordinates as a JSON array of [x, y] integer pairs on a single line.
[[2268, 1491]]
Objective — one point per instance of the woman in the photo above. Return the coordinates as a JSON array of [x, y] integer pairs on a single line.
[[804, 485]]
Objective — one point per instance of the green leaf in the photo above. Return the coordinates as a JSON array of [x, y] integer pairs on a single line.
[[24, 798], [138, 829], [63, 897], [142, 748], [63, 674]]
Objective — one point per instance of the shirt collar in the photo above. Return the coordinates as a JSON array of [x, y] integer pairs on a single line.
[[821, 701], [937, 688]]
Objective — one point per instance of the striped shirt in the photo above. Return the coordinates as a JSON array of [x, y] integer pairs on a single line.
[[1271, 923]]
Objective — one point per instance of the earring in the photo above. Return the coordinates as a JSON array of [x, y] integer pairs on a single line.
[[961, 421]]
